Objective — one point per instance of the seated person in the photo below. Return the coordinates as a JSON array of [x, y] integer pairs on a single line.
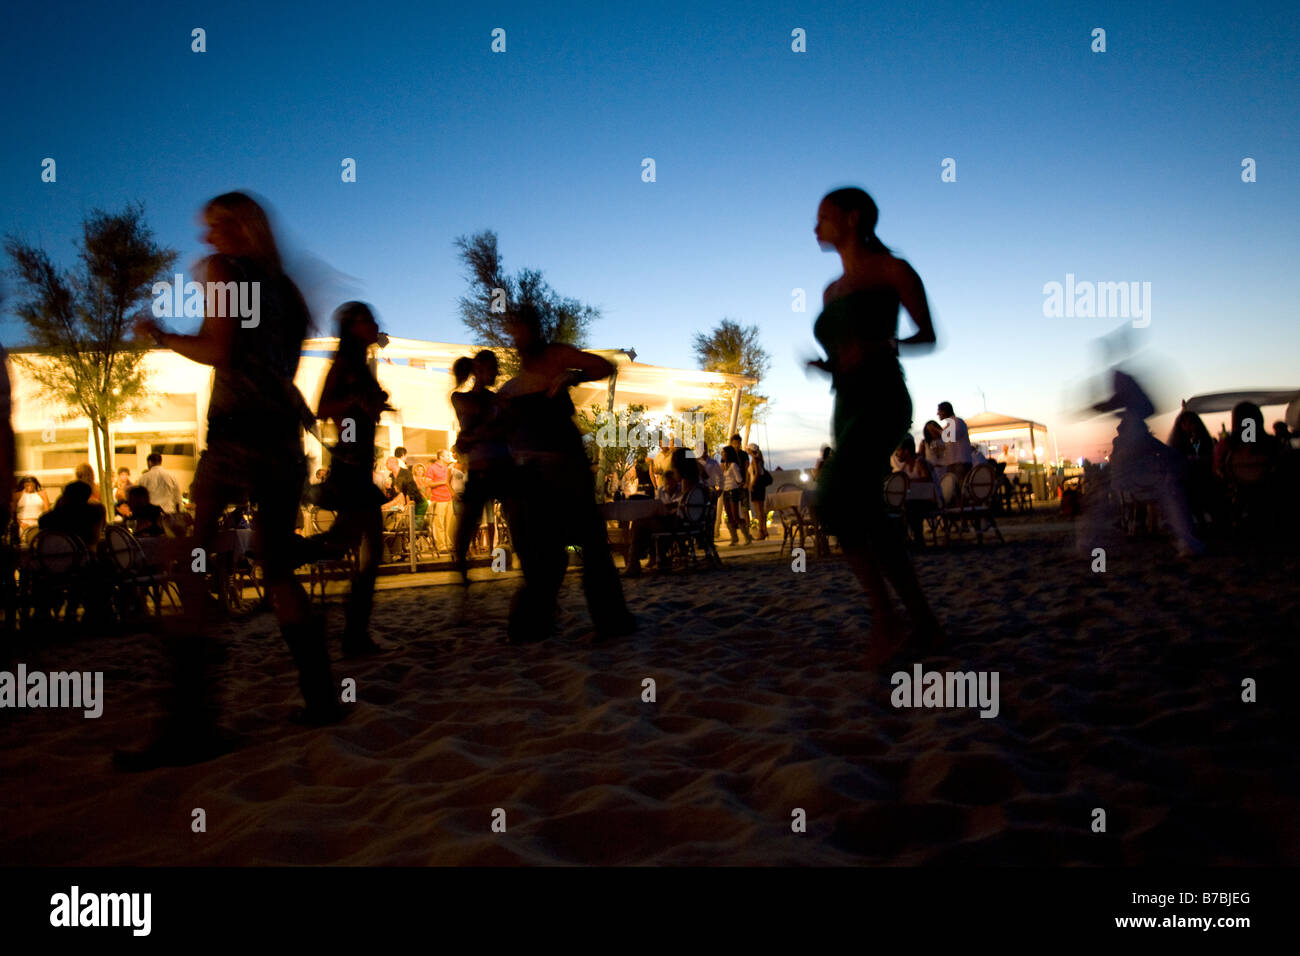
[[73, 514], [146, 518], [670, 490], [910, 463], [691, 502]]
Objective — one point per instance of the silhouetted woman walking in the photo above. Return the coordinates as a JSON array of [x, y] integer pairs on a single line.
[[354, 400], [481, 444], [553, 493], [873, 410]]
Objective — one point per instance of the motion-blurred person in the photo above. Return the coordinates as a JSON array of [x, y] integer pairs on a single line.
[[352, 398], [553, 496], [858, 328], [254, 450], [482, 446]]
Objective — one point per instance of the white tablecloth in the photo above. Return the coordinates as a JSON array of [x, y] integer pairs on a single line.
[[800, 498]]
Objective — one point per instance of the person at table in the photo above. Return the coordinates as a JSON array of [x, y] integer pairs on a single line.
[[932, 449], [917, 470], [254, 449], [910, 463], [146, 518], [121, 485], [86, 474], [481, 444], [690, 501], [30, 502], [352, 396], [552, 495], [873, 411], [73, 514]]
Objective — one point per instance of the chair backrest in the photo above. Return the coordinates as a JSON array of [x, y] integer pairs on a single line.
[[695, 509], [896, 489], [981, 482], [948, 487], [58, 553], [122, 549]]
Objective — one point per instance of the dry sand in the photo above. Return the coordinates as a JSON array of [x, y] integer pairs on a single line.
[[1119, 690]]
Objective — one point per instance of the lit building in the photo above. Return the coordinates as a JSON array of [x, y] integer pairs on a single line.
[[416, 375]]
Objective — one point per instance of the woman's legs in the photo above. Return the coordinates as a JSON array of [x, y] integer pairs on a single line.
[[733, 514], [476, 496], [759, 504], [364, 531]]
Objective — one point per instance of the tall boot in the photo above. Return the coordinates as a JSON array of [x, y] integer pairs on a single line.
[[306, 640]]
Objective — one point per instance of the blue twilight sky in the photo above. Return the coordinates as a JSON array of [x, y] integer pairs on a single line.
[[1115, 166]]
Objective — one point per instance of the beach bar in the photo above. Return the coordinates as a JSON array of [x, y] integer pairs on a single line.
[[416, 374]]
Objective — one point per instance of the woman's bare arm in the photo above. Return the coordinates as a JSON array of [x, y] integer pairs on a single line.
[[911, 293], [211, 345]]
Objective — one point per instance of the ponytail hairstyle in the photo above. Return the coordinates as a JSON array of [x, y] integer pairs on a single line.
[[346, 316], [853, 199], [462, 369]]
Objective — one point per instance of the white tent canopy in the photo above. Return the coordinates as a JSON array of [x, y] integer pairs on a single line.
[[1226, 401]]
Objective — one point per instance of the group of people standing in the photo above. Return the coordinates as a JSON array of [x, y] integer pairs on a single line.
[[738, 478]]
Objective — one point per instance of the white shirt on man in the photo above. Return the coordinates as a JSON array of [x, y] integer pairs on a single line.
[[958, 450], [163, 489]]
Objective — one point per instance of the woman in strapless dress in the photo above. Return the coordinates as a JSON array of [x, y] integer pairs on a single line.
[[858, 329]]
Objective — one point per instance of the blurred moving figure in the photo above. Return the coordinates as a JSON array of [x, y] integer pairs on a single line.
[[352, 398], [1141, 466], [254, 450], [481, 445], [552, 494], [858, 328]]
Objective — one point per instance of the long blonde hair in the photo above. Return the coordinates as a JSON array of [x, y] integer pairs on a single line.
[[253, 223]]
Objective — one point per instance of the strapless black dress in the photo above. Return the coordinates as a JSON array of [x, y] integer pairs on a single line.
[[873, 413]]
